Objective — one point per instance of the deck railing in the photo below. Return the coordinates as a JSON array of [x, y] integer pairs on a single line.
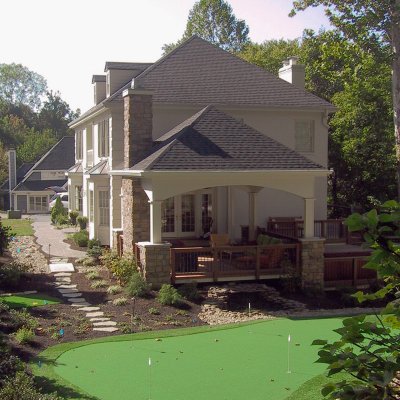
[[234, 262]]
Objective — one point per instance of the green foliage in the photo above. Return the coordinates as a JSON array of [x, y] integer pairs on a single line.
[[99, 284], [10, 274], [9, 366], [137, 286], [94, 243], [22, 319], [168, 295], [154, 311], [189, 291], [367, 348], [73, 215], [58, 211], [81, 238], [5, 237], [114, 289], [120, 301], [24, 335], [214, 21], [82, 221], [121, 267], [92, 275], [95, 252], [22, 387]]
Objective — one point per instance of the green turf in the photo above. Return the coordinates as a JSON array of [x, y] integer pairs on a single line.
[[28, 300], [247, 361], [19, 227]]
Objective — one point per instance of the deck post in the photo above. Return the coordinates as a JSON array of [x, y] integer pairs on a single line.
[[309, 218]]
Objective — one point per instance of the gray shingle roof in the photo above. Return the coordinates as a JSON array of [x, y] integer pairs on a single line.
[[213, 140], [101, 168], [200, 73], [76, 169], [98, 78], [126, 65], [38, 185], [21, 172], [61, 156]]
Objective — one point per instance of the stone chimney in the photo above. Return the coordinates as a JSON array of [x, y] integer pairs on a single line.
[[293, 72], [99, 88], [12, 174]]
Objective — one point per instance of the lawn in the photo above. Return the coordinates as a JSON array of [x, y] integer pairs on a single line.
[[28, 300], [20, 227], [226, 363]]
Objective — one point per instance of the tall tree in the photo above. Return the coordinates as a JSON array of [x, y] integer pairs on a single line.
[[214, 21], [19, 85], [373, 25]]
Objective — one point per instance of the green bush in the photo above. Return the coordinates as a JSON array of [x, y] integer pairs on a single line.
[[121, 267], [24, 335], [5, 237], [10, 274], [22, 319], [82, 221], [57, 211], [9, 366], [94, 243], [62, 220], [94, 251], [108, 257], [137, 286], [114, 289], [73, 215], [22, 387], [81, 238], [168, 295], [154, 311], [99, 284], [189, 291], [120, 301]]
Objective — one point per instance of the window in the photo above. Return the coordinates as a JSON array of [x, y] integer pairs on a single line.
[[78, 198], [104, 207], [38, 203], [103, 138], [78, 145], [168, 215], [304, 136], [91, 205]]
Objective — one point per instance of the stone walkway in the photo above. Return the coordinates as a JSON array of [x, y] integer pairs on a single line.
[[71, 293]]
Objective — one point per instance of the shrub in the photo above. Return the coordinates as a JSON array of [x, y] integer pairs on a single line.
[[5, 237], [22, 387], [137, 286], [89, 262], [108, 257], [57, 211], [121, 267], [93, 243], [22, 318], [24, 335], [82, 221], [115, 289], [154, 311], [92, 275], [73, 215], [62, 220], [168, 295], [189, 291], [120, 301], [81, 238], [9, 366], [95, 251], [98, 284], [10, 274]]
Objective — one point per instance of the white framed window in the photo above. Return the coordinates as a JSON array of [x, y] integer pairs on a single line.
[[78, 198], [78, 145], [304, 136], [104, 207], [38, 204], [103, 132]]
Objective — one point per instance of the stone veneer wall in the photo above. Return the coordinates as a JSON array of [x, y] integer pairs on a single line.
[[155, 263], [138, 126], [312, 263]]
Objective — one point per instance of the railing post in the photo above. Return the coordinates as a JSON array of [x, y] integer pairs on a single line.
[[172, 261], [258, 262]]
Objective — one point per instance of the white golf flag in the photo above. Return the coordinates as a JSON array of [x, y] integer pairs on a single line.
[[288, 339], [149, 362]]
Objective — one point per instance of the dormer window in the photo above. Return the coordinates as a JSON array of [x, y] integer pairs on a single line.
[[304, 136], [103, 129]]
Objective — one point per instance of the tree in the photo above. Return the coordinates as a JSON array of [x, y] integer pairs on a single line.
[[373, 25], [19, 85], [270, 54], [368, 348], [214, 21], [35, 144]]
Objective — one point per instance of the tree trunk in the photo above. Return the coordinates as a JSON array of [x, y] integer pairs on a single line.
[[396, 86]]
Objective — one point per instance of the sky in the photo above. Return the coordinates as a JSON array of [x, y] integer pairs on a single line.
[[68, 41]]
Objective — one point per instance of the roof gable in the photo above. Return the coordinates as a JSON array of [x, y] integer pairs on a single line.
[[60, 157], [213, 140]]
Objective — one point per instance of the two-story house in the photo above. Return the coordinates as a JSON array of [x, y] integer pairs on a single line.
[[199, 140]]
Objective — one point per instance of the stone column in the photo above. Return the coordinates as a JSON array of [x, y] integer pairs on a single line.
[[309, 205], [312, 263], [155, 263]]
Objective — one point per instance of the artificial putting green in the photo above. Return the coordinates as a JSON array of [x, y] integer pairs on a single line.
[[246, 361], [28, 300]]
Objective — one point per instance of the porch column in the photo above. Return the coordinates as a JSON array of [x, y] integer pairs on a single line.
[[252, 215], [309, 205], [230, 214], [155, 221]]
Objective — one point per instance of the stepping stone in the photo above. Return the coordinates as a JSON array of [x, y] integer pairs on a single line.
[[72, 295], [105, 323], [89, 309], [63, 274], [30, 292], [95, 314], [77, 300], [63, 280], [106, 329], [64, 286], [80, 304], [61, 267], [62, 291], [99, 319]]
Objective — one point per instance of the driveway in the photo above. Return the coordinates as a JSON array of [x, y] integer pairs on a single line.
[[50, 238]]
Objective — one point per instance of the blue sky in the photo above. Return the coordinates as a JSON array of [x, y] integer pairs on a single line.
[[69, 41]]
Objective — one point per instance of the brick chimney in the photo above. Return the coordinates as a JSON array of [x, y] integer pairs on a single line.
[[293, 72]]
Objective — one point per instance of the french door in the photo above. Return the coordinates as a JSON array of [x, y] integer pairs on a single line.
[[188, 215]]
